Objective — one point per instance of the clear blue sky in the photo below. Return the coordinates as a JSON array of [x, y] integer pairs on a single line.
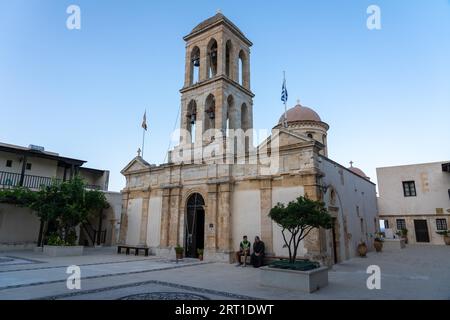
[[385, 94]]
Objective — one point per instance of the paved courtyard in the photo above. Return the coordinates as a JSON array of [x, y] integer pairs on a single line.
[[417, 272]]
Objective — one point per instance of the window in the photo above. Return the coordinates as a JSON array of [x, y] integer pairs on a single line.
[[9, 163], [310, 135], [441, 224], [28, 166], [409, 188], [386, 224], [401, 224]]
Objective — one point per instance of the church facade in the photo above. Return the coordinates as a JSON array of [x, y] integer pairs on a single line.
[[217, 187]]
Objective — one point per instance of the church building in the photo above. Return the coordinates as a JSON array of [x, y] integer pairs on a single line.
[[217, 186]]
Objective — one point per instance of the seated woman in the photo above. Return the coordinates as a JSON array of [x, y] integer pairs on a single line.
[[257, 257]]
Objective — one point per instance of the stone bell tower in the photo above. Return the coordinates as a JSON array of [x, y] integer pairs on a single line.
[[216, 94]]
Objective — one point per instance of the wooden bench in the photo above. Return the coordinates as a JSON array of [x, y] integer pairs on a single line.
[[135, 248]]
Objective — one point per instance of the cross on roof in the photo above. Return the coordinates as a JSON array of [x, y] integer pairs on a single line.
[[351, 163]]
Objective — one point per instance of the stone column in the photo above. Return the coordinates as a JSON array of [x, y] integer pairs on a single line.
[[315, 242], [266, 222], [144, 219], [165, 218], [174, 210], [211, 218], [224, 215], [221, 56], [124, 218]]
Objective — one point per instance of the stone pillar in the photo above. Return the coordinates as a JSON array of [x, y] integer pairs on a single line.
[[266, 222], [224, 221], [220, 114], [174, 210], [144, 219], [221, 56], [315, 242], [165, 218], [211, 219], [124, 218], [203, 62]]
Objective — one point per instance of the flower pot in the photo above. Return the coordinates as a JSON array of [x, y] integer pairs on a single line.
[[447, 240], [179, 255], [200, 258], [362, 249], [405, 238], [378, 245]]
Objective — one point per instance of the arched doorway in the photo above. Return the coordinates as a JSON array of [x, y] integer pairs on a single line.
[[195, 225]]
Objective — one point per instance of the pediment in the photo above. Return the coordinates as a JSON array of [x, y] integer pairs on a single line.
[[135, 165]]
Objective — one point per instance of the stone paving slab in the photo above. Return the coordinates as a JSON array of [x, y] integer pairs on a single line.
[[417, 272]]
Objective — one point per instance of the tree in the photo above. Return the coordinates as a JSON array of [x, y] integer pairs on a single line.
[[298, 218], [64, 204]]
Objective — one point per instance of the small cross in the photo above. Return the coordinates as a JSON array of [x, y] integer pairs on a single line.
[[351, 163], [219, 11], [139, 152], [298, 101]]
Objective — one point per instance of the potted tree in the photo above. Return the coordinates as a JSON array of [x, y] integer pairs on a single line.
[[179, 250], [446, 234], [404, 234], [296, 221], [200, 254], [378, 242], [362, 249]]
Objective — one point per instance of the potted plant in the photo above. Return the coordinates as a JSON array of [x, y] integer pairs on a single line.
[[446, 234], [378, 242], [362, 249], [179, 252], [404, 234], [200, 254]]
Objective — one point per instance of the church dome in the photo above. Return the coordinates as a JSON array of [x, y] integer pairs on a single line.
[[300, 113], [357, 171]]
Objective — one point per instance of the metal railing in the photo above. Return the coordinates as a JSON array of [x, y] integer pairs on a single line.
[[11, 180]]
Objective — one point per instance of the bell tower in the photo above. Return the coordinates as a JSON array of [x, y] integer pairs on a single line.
[[216, 95]]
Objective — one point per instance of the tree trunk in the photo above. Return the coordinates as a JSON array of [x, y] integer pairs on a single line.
[[41, 231]]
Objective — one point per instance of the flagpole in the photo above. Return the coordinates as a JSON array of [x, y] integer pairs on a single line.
[[144, 127], [143, 141], [285, 100]]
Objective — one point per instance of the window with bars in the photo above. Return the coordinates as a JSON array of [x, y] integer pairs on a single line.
[[441, 224], [409, 188], [401, 224]]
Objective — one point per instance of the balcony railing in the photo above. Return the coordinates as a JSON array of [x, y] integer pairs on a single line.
[[11, 180]]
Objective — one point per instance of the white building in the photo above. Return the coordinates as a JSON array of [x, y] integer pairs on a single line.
[[33, 167], [416, 197]]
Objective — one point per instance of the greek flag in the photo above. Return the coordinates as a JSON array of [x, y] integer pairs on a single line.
[[284, 93]]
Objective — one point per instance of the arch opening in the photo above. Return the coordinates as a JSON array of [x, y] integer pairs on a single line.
[[194, 225]]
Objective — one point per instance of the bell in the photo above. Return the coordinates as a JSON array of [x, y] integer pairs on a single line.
[[211, 114], [193, 118], [196, 62]]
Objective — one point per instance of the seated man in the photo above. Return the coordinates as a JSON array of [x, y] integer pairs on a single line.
[[257, 257], [244, 250]]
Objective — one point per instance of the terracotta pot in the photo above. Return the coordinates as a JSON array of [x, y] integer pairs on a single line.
[[405, 238], [378, 245], [447, 240], [362, 249], [200, 258], [179, 256]]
